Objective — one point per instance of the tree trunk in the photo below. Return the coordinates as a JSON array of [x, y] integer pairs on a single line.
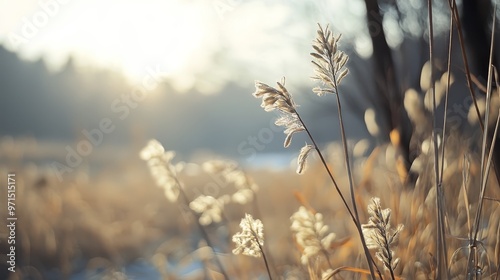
[[386, 83]]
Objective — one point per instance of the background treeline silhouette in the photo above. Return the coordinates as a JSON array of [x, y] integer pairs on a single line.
[[57, 106]]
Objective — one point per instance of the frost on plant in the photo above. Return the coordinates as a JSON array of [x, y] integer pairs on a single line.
[[161, 168], [379, 234], [251, 238], [311, 234]]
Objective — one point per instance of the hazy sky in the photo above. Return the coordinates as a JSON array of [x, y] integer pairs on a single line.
[[203, 42], [180, 37]]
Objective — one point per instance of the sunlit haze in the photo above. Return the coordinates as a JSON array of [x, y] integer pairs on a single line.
[[192, 42], [128, 37]]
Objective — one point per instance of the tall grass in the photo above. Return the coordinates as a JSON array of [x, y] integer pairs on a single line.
[[334, 221], [449, 217]]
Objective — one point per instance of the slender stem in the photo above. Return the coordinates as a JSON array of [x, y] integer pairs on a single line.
[[448, 79], [389, 255], [331, 79], [454, 12], [262, 251], [483, 160], [485, 136], [259, 215], [356, 223], [349, 176], [488, 161], [456, 17], [327, 258], [441, 242], [202, 230], [346, 157], [334, 84], [443, 142], [325, 165], [484, 182], [472, 259], [498, 260]]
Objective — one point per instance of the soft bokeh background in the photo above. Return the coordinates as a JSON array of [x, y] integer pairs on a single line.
[[84, 84], [70, 64]]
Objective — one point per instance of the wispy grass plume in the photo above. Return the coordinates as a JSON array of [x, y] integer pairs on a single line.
[[311, 234], [162, 169], [250, 241], [381, 236], [281, 100]]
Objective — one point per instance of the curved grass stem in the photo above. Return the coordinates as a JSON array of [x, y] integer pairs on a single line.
[[344, 201], [202, 230]]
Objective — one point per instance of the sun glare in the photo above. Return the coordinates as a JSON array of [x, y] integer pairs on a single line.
[[126, 36], [139, 37]]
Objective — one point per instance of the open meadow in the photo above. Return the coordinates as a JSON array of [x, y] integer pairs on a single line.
[[143, 153]]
